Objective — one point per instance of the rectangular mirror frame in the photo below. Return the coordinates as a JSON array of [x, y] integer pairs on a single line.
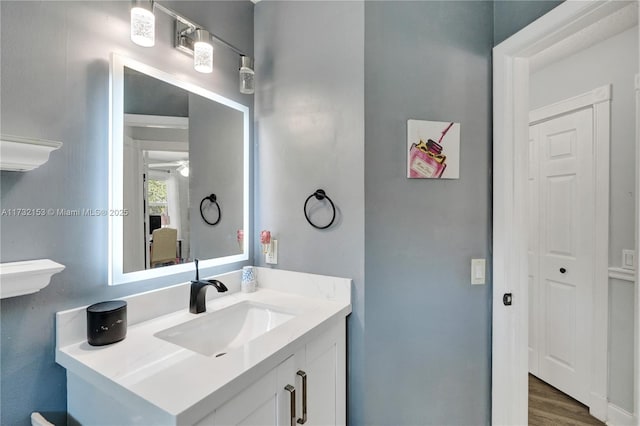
[[116, 143]]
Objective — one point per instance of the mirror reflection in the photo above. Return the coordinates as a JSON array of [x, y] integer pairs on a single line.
[[178, 149]]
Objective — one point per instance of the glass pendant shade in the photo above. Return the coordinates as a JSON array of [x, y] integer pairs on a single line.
[[202, 52], [247, 74], [143, 25]]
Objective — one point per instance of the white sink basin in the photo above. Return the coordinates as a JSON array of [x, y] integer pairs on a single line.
[[218, 332]]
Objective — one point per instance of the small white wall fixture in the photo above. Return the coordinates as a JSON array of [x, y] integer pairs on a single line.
[[26, 277], [510, 122], [21, 154]]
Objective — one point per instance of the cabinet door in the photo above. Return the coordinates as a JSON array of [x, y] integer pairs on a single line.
[[325, 369], [270, 401], [256, 405], [287, 385]]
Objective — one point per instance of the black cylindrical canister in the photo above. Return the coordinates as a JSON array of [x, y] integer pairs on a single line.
[[106, 322]]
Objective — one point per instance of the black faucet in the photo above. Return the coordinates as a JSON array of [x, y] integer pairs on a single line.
[[197, 301]]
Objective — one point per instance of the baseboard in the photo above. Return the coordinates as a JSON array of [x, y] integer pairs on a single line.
[[598, 406], [617, 416]]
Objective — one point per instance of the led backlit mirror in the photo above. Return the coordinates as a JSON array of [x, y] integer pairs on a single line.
[[179, 175]]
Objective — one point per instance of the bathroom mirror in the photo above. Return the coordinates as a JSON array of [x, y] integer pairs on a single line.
[[179, 175]]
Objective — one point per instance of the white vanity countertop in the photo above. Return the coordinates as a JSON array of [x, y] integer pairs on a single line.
[[177, 380]]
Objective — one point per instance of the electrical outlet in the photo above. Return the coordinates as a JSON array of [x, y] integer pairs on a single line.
[[271, 257], [478, 267]]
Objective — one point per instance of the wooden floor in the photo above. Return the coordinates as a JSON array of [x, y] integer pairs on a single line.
[[548, 406]]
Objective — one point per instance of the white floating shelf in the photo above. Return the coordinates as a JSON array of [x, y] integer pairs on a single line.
[[30, 276], [24, 154]]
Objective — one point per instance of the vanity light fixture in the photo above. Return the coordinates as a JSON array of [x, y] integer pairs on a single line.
[[143, 23], [190, 38]]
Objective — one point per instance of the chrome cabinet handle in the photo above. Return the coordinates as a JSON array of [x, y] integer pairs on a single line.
[[292, 393], [302, 374]]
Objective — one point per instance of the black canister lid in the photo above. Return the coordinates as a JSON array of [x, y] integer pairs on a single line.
[[110, 306]]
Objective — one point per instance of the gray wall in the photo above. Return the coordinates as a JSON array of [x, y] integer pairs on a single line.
[[572, 76], [55, 85], [510, 16], [310, 135], [428, 331]]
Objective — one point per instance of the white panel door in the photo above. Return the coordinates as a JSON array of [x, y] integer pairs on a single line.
[[564, 289]]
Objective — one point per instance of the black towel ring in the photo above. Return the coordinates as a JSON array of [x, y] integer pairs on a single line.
[[213, 199], [320, 195]]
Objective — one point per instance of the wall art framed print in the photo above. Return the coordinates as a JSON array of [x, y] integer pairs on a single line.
[[433, 149]]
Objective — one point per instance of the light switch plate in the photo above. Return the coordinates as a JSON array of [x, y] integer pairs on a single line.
[[628, 259], [478, 268], [271, 257]]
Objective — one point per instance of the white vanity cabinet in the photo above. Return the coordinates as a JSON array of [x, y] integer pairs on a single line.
[[147, 379], [268, 401]]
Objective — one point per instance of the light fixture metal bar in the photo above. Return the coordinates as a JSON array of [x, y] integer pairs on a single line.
[[183, 42], [185, 27]]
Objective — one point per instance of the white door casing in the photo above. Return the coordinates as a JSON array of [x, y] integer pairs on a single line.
[[563, 280], [533, 247], [510, 275], [133, 229], [636, 386]]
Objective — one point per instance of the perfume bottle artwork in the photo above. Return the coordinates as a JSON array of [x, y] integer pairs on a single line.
[[431, 159]]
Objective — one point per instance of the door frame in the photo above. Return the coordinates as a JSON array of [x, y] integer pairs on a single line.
[[636, 383], [509, 393]]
